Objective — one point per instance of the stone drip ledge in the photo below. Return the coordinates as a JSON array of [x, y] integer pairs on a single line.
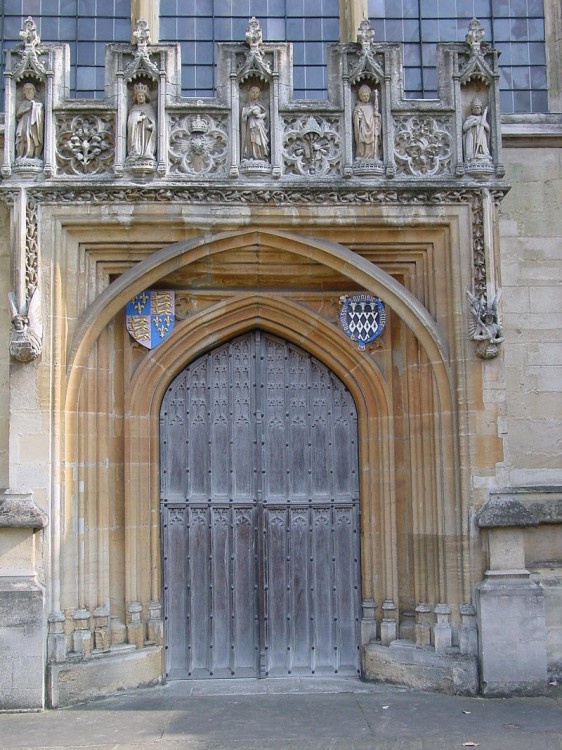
[[521, 507], [19, 511]]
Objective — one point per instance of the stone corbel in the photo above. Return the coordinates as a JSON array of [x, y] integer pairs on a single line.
[[485, 325], [19, 511]]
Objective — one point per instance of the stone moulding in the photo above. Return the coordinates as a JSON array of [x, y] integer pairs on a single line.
[[521, 506], [20, 511]]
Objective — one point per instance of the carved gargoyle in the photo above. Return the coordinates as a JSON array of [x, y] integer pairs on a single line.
[[484, 325], [27, 330]]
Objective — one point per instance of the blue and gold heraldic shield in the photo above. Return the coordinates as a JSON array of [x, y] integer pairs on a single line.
[[150, 316], [362, 318]]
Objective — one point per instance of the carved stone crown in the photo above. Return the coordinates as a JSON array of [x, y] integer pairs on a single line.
[[141, 88], [199, 125]]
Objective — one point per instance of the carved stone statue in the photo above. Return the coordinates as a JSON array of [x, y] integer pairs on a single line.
[[485, 327], [30, 121], [475, 134], [367, 125], [27, 330], [254, 130], [141, 125]]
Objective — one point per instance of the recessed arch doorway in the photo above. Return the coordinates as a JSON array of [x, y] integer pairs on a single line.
[[259, 514]]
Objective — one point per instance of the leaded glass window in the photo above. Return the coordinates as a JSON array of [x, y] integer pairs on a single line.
[[515, 27], [200, 24], [86, 25]]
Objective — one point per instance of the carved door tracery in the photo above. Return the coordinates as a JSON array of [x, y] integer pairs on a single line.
[[260, 515]]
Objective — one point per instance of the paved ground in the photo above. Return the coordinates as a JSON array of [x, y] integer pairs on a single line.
[[291, 715]]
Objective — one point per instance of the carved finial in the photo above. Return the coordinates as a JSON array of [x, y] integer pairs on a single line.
[[141, 33], [475, 35], [255, 64], [365, 34], [254, 38], [29, 36]]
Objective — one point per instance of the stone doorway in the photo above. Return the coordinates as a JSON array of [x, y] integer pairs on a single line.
[[259, 515]]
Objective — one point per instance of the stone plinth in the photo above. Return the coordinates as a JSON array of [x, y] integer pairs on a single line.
[[402, 663], [22, 606], [511, 613], [22, 644], [103, 674]]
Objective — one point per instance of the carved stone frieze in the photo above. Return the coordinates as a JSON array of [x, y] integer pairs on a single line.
[[26, 330], [85, 143], [312, 146], [423, 145], [31, 248], [478, 247], [245, 195], [198, 145]]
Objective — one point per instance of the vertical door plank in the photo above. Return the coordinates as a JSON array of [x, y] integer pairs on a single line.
[[199, 592], [347, 593], [245, 636], [176, 616], [276, 611], [300, 582], [323, 602], [221, 637]]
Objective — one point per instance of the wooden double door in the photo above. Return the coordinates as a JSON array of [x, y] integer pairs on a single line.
[[259, 515]]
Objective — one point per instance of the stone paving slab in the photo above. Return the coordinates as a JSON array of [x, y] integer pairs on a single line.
[[289, 715]]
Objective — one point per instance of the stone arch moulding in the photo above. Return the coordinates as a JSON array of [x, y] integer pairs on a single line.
[[209, 329], [331, 254], [293, 323]]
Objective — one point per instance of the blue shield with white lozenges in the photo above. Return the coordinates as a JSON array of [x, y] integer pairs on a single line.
[[362, 318], [150, 317]]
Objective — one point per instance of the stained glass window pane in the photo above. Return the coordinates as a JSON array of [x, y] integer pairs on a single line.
[[311, 26], [77, 22], [515, 27]]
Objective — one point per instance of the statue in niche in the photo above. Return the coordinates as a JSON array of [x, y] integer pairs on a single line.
[[254, 131], [475, 133], [485, 327], [141, 125], [30, 121], [367, 124]]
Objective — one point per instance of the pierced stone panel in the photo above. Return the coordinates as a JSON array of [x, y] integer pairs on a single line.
[[423, 145], [312, 146], [198, 145], [85, 143]]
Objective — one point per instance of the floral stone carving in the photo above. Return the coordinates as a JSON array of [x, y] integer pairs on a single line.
[[85, 144], [198, 145], [422, 146], [312, 147]]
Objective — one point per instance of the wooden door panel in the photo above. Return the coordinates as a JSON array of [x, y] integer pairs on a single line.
[[259, 515]]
